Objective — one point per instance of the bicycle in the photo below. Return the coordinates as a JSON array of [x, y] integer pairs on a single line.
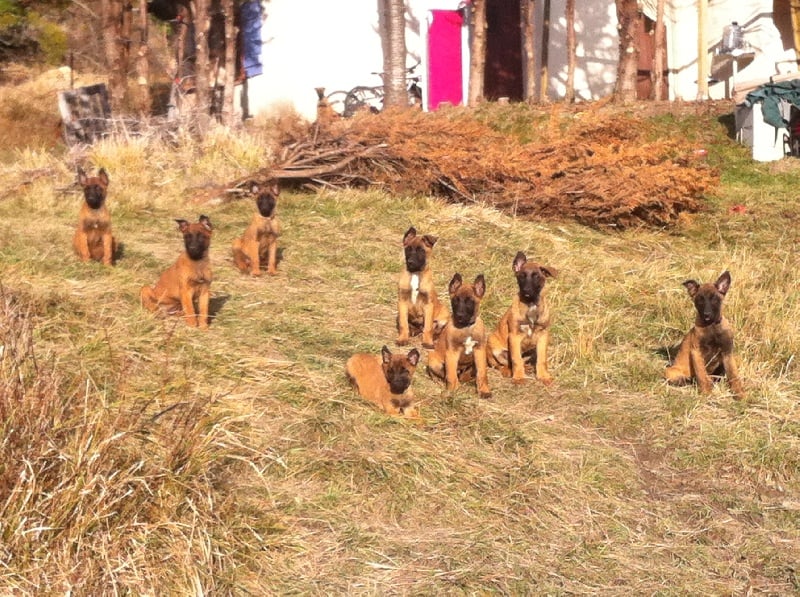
[[368, 97]]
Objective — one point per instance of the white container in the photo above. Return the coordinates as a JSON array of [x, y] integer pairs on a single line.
[[767, 141]]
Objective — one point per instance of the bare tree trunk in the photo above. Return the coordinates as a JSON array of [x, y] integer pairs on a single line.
[[201, 24], [702, 50], [526, 9], [628, 64], [569, 94], [477, 55], [545, 73], [230, 62], [659, 53], [394, 58], [142, 62], [111, 11]]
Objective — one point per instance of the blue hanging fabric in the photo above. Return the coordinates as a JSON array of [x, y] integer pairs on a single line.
[[250, 27]]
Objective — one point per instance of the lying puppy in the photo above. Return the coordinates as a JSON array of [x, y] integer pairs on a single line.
[[258, 245], [460, 351], [93, 239], [188, 280], [418, 306], [708, 347], [385, 380], [523, 334]]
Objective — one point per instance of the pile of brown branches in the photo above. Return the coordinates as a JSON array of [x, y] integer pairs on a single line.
[[604, 171]]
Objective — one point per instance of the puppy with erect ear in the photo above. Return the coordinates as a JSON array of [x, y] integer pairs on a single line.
[[385, 380], [93, 239], [188, 280], [258, 246], [460, 351], [707, 349], [523, 334], [418, 307]]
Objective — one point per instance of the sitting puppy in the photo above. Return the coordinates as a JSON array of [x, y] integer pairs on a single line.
[[708, 347], [93, 239], [523, 334], [188, 280], [385, 380], [460, 351], [418, 306], [259, 244]]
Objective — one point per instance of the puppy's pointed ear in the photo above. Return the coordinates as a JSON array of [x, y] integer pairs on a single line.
[[254, 188], [480, 286], [103, 176], [183, 225], [82, 178], [410, 235], [519, 261], [275, 187], [548, 271], [386, 354], [413, 357], [429, 240], [692, 287], [455, 283], [206, 222], [723, 283]]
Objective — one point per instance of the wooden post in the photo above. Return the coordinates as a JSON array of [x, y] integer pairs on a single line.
[[569, 94], [142, 62], [477, 55], [794, 5], [657, 74]]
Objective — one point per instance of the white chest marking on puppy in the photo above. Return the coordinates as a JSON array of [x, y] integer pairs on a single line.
[[414, 287], [469, 344]]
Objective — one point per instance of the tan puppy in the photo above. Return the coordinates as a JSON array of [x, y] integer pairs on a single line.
[[93, 239], [188, 280], [708, 347], [418, 306], [385, 380], [460, 351], [258, 245], [523, 334]]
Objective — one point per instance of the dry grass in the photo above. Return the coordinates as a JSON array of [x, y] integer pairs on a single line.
[[144, 457]]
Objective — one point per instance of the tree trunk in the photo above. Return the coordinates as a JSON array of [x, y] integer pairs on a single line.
[[628, 65], [394, 57], [569, 93], [544, 76], [659, 53], [142, 62], [702, 50], [527, 10], [111, 11], [477, 55], [230, 62], [202, 96]]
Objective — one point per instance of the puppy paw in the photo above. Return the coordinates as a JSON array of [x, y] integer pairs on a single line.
[[518, 381], [546, 380]]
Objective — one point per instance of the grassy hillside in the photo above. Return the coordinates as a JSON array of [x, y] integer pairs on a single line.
[[145, 457]]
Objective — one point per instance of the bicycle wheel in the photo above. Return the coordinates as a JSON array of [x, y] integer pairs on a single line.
[[363, 98], [336, 100]]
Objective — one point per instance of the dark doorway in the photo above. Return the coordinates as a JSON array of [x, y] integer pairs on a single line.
[[503, 77], [647, 47]]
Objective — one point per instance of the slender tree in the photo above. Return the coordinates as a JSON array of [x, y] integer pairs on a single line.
[[230, 62], [628, 64], [657, 74], [544, 75], [394, 57], [527, 10], [142, 61], [477, 56], [201, 71], [112, 17], [569, 94]]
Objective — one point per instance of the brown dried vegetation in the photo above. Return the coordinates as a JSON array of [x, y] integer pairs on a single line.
[[609, 170]]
